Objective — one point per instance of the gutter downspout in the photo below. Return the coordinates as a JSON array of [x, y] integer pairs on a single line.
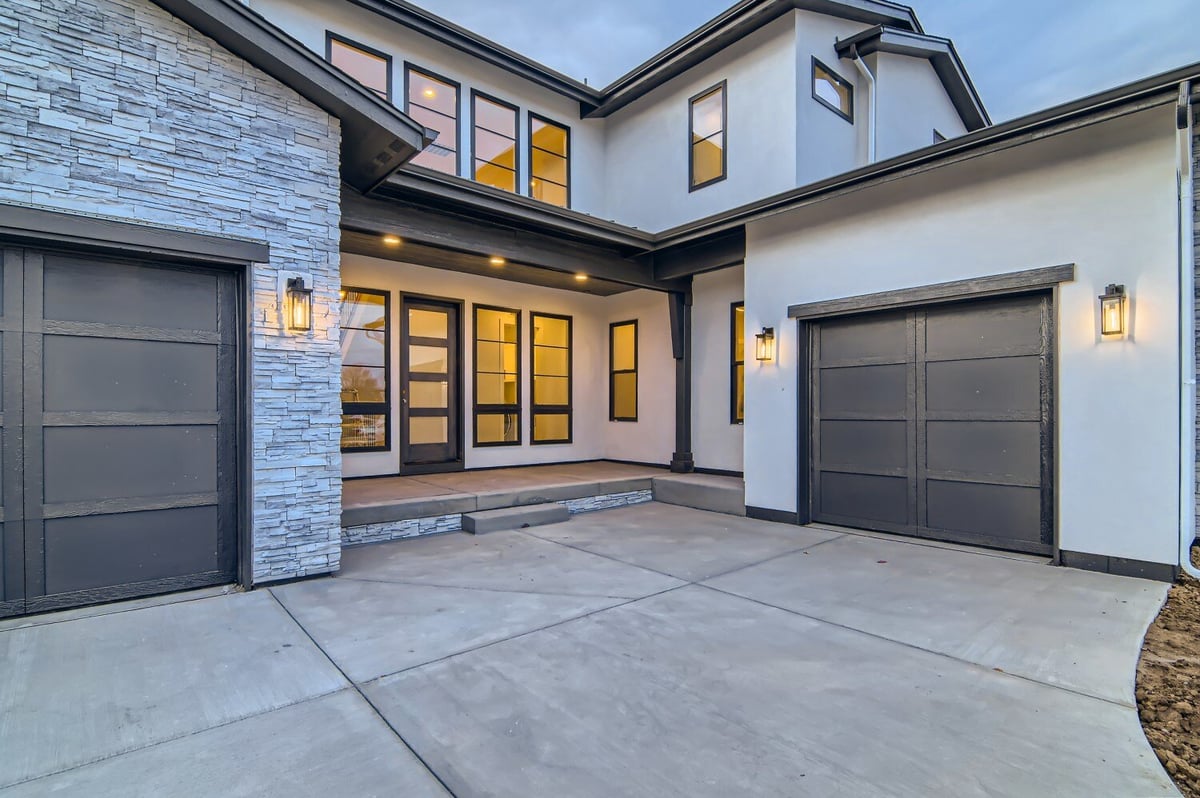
[[866, 73], [1187, 332]]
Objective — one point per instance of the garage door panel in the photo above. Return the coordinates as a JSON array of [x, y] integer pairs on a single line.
[[96, 551], [129, 295], [95, 374], [94, 463], [994, 511], [1012, 448], [993, 386], [877, 444], [873, 498], [974, 330], [870, 390], [880, 337]]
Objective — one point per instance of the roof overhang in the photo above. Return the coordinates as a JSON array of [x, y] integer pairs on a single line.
[[737, 23], [376, 137], [942, 56]]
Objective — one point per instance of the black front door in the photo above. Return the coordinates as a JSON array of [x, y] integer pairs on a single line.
[[430, 433]]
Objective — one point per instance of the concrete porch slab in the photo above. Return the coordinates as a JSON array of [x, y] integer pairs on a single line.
[[1076, 629], [82, 690], [685, 543], [383, 499], [290, 751], [698, 693]]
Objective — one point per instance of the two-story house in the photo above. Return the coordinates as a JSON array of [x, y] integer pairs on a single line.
[[254, 248]]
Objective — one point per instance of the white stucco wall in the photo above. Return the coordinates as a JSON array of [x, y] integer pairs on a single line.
[[308, 21], [1066, 199], [593, 435], [912, 103], [651, 439], [646, 184], [716, 440], [826, 144]]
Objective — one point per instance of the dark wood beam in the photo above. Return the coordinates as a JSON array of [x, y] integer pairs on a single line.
[[697, 257], [444, 230]]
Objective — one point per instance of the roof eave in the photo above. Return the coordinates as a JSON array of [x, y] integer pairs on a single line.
[[376, 137], [943, 57]]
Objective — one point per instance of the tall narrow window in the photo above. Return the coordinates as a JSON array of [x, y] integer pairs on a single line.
[[494, 142], [551, 378], [497, 376], [368, 66], [549, 161], [833, 91], [433, 101], [706, 112], [365, 380], [622, 371], [737, 367]]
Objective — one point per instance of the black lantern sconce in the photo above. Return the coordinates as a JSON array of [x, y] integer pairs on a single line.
[[299, 305], [1112, 310], [764, 345]]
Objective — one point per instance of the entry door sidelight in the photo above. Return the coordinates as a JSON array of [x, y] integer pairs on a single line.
[[429, 385]]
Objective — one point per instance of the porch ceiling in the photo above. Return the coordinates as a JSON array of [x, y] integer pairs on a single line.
[[371, 244]]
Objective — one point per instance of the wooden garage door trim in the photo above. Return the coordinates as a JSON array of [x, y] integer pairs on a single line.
[[955, 291]]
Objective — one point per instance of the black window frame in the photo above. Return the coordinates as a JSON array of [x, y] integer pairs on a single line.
[[409, 68], [492, 409], [331, 37], [613, 371], [368, 408], [534, 408], [723, 87], [838, 79], [529, 148], [476, 94], [737, 357]]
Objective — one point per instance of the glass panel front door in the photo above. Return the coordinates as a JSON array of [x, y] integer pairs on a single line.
[[429, 388]]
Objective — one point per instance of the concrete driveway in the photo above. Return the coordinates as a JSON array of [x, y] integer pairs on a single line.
[[647, 651]]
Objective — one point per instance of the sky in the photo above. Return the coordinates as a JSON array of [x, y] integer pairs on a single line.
[[1023, 55]]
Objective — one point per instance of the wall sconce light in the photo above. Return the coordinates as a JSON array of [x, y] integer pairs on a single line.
[[764, 344], [299, 305], [1112, 310]]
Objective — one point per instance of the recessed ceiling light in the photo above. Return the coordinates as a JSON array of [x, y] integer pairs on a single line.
[[430, 93], [391, 241], [581, 278], [496, 260]]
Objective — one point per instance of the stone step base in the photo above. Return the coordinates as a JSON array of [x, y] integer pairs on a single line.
[[514, 518], [716, 494]]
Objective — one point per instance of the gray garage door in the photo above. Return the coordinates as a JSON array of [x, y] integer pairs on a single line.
[[936, 423], [119, 447]]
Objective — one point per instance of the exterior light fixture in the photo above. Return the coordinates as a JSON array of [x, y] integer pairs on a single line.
[[581, 277], [1112, 310], [299, 305], [496, 260], [764, 345]]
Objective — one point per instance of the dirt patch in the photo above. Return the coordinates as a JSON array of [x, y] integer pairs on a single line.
[[1168, 684]]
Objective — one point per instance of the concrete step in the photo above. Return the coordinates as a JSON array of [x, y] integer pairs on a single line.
[[514, 518], [711, 492]]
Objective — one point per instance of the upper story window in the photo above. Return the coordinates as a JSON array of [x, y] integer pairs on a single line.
[[433, 101], [494, 142], [369, 67], [833, 91], [549, 161], [706, 118]]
